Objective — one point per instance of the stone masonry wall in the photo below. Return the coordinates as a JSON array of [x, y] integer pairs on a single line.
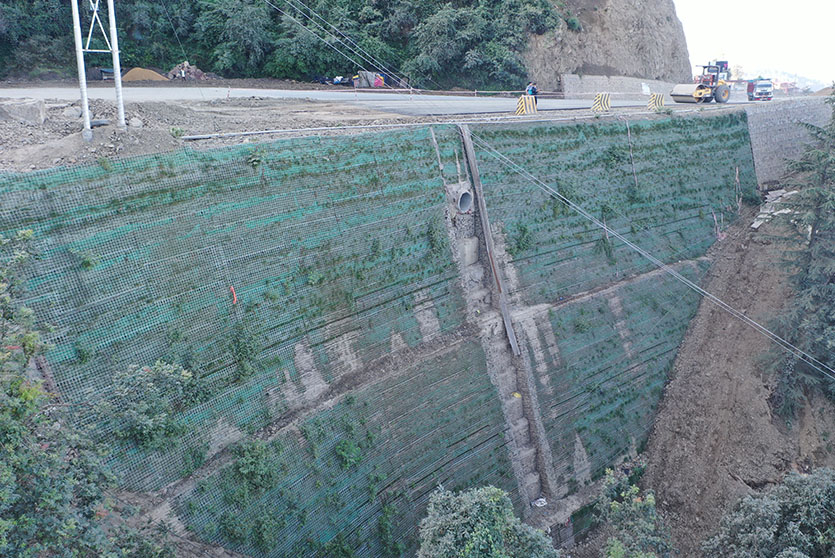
[[776, 135]]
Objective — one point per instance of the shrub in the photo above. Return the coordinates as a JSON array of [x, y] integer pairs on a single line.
[[478, 523], [793, 519], [348, 453], [143, 403], [635, 529], [244, 348], [574, 24], [521, 240], [254, 465]]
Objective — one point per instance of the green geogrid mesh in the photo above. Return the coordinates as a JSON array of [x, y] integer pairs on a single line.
[[613, 353], [670, 186], [686, 176], [327, 243], [437, 422], [336, 250]]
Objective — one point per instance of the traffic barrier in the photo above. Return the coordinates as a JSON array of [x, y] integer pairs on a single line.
[[601, 103], [656, 101], [526, 105]]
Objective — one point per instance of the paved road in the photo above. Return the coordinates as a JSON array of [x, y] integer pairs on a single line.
[[414, 105]]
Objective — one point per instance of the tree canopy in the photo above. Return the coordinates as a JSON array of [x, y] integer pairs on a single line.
[[795, 519], [478, 523], [433, 43]]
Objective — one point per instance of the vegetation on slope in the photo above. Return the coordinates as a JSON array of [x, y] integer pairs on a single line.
[[53, 480], [795, 519], [810, 324], [474, 43], [630, 519], [478, 523]]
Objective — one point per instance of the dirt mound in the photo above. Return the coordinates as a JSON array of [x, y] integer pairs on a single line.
[[825, 92], [143, 74], [187, 72], [155, 127], [715, 438]]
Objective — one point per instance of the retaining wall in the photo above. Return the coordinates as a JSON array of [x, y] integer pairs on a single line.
[[575, 86], [776, 133], [312, 287]]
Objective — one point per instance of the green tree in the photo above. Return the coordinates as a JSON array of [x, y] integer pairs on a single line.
[[478, 523], [632, 521], [810, 324], [474, 43], [795, 519], [52, 477], [35, 37], [142, 404], [237, 32]]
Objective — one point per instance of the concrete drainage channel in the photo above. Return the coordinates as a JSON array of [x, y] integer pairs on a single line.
[[482, 284]]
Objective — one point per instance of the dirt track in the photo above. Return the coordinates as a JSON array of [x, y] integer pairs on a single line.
[[715, 439]]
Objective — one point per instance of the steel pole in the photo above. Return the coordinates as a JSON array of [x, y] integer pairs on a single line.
[[87, 132], [117, 67]]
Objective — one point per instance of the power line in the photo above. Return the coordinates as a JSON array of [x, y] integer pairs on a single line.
[[786, 345], [783, 343]]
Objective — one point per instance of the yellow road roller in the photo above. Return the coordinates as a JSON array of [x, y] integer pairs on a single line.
[[709, 86]]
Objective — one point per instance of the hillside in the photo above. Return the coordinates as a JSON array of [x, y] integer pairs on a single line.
[[435, 44], [655, 49]]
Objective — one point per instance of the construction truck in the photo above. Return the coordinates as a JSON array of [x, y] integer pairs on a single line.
[[760, 90], [711, 85]]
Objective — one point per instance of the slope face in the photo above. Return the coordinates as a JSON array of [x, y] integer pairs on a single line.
[[641, 38], [346, 353]]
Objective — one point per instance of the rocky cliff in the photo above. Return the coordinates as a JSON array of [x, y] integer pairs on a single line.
[[638, 38]]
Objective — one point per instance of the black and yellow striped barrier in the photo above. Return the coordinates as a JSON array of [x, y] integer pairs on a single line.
[[601, 103], [526, 105], [656, 101]]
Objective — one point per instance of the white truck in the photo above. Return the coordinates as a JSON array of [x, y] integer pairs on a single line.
[[760, 90]]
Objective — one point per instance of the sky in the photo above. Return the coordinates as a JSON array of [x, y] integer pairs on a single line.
[[765, 36]]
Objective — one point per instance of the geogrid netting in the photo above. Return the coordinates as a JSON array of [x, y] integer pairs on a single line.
[[685, 170], [321, 240], [437, 422], [613, 354], [669, 186], [277, 272]]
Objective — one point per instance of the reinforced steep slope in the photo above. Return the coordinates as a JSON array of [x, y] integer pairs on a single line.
[[337, 312]]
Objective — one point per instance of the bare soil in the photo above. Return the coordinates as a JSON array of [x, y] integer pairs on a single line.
[[715, 438], [58, 141]]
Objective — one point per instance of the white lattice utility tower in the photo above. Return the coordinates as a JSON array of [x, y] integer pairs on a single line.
[[112, 43]]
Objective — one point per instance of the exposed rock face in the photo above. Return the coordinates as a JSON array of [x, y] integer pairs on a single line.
[[637, 38]]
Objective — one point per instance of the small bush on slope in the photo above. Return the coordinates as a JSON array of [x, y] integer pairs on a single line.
[[795, 519], [478, 523]]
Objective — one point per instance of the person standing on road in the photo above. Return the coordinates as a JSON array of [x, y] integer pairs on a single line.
[[532, 91]]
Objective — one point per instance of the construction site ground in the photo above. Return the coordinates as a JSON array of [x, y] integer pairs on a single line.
[[715, 438], [58, 140]]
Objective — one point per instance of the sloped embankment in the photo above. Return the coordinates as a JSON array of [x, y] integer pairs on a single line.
[[715, 438], [343, 343]]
